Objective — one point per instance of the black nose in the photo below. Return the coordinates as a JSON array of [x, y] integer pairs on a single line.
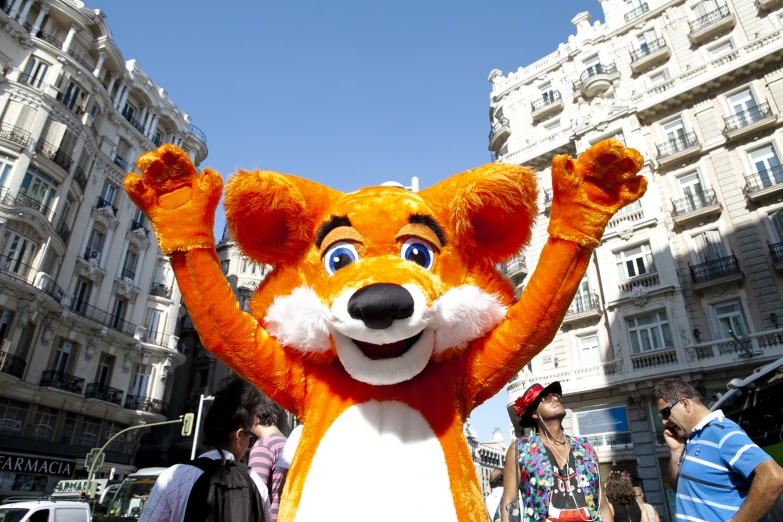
[[379, 304]]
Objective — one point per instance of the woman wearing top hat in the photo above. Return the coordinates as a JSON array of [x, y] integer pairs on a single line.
[[555, 475]]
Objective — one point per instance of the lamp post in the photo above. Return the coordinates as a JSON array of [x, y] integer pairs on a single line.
[[202, 399]]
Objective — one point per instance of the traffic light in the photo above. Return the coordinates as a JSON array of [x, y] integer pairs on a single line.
[[187, 424]]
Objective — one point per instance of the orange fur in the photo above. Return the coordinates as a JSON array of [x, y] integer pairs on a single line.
[[486, 215]]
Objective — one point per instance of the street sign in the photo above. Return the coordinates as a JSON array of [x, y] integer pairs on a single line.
[[187, 425], [88, 460]]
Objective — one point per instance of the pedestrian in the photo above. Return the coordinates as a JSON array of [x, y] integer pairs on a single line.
[[266, 451], [622, 499], [716, 470], [216, 487], [556, 475], [652, 513], [289, 450], [495, 493]]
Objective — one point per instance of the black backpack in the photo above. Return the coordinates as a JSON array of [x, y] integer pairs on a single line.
[[224, 493]]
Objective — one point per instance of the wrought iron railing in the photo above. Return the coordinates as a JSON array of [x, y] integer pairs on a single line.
[[15, 269], [12, 365], [198, 133], [102, 203], [584, 303], [73, 54], [6, 6], [546, 99], [160, 290], [54, 153], [715, 269], [51, 40], [515, 265], [497, 127], [678, 144], [62, 381], [159, 339], [23, 200], [119, 160], [102, 317], [763, 179], [33, 80], [776, 249], [80, 178], [636, 13], [15, 134], [709, 19], [694, 202], [135, 225], [747, 117], [69, 103], [596, 70], [148, 404], [102, 392], [648, 48], [128, 115], [63, 230], [157, 140], [127, 273], [547, 196]]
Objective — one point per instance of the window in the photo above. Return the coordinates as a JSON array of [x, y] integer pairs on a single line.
[[244, 264], [634, 262], [129, 267], [129, 110], [646, 40], [6, 317], [26, 116], [109, 193], [777, 226], [649, 332], [709, 246], [118, 444], [6, 164], [69, 427], [140, 218], [123, 153], [605, 427], [73, 96], [593, 64], [40, 190], [706, 7], [141, 380], [81, 295], [94, 245], [730, 320], [547, 92], [246, 304], [224, 265], [658, 78], [674, 131], [721, 49], [105, 365], [155, 321], [12, 416], [588, 350], [767, 165], [161, 272], [88, 434], [118, 314], [35, 72], [741, 103], [17, 254], [62, 357], [693, 196], [43, 424], [552, 126]]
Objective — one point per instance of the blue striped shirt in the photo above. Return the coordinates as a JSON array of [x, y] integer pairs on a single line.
[[715, 470]]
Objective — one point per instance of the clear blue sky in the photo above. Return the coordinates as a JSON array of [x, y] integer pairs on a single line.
[[346, 93]]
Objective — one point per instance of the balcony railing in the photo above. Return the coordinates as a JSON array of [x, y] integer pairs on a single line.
[[128, 115], [653, 359], [157, 140], [747, 117], [51, 40], [15, 134], [161, 339], [69, 103], [636, 13], [135, 225], [102, 317], [583, 303], [709, 19], [498, 127], [763, 179], [62, 381], [102, 203], [12, 365], [52, 152], [141, 403], [597, 69], [678, 144], [716, 269], [694, 202], [84, 63], [776, 249], [198, 133], [80, 178], [89, 253], [160, 290], [23, 200], [63, 230], [25, 273], [547, 197], [647, 49], [96, 390], [127, 273], [119, 160], [545, 100]]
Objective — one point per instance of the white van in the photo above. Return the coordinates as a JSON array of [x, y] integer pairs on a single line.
[[129, 500], [44, 511]]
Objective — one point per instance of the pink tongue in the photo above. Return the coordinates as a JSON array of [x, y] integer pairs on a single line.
[[381, 351]]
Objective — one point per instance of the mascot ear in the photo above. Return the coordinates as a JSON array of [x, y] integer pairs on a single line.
[[490, 210], [272, 215]]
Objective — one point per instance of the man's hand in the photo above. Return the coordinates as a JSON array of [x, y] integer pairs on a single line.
[[588, 191], [673, 440], [179, 202]]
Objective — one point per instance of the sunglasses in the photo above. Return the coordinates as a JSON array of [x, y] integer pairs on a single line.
[[253, 437], [549, 397], [667, 411]]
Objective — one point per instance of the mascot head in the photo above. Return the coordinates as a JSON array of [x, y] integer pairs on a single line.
[[383, 279]]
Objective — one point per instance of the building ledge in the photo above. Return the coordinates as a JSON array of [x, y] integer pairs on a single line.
[[717, 21], [643, 60], [739, 276], [541, 109], [750, 128]]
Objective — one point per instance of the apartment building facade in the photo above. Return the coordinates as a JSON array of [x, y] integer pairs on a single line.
[[88, 303], [687, 281]]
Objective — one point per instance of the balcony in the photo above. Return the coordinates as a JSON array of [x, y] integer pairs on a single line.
[[501, 130], [63, 230], [628, 214], [696, 206], [69, 103], [89, 253], [678, 149], [12, 365], [764, 183], [654, 359], [648, 54], [645, 280], [81, 61], [597, 79], [713, 22], [101, 317], [101, 392], [549, 103], [128, 274], [749, 121], [102, 203], [14, 134], [80, 178], [547, 199], [157, 140], [24, 273], [715, 272], [52, 152], [163, 340], [515, 268], [146, 404], [62, 381], [766, 4], [636, 13], [160, 290], [128, 115], [120, 161], [135, 225], [23, 200], [51, 40], [583, 307], [198, 133], [776, 249]]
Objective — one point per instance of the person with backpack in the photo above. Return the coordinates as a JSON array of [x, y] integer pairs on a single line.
[[216, 487]]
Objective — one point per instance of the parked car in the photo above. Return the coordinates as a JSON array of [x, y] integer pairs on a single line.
[[129, 500], [47, 509]]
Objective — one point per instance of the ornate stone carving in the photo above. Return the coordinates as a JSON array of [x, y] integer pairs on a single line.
[[138, 237], [124, 288], [29, 310], [625, 230], [90, 269], [50, 327], [639, 295], [127, 363], [92, 342], [168, 369]]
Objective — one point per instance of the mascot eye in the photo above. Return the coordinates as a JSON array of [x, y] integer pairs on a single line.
[[418, 251], [339, 256]]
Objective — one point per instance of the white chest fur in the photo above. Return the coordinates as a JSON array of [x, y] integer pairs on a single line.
[[378, 461]]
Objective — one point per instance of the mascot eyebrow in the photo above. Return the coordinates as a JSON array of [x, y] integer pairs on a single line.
[[343, 221], [334, 222], [427, 221]]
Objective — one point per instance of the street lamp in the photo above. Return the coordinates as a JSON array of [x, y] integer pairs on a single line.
[[202, 399]]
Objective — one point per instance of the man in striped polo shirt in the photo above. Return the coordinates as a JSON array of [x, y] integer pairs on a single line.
[[263, 456], [717, 471]]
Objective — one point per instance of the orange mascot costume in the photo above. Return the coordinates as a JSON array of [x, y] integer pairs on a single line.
[[385, 321]]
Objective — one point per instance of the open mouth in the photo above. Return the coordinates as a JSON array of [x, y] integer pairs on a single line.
[[387, 351]]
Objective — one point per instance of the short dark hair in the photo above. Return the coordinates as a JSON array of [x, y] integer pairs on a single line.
[[497, 480], [670, 390], [268, 412], [235, 406]]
